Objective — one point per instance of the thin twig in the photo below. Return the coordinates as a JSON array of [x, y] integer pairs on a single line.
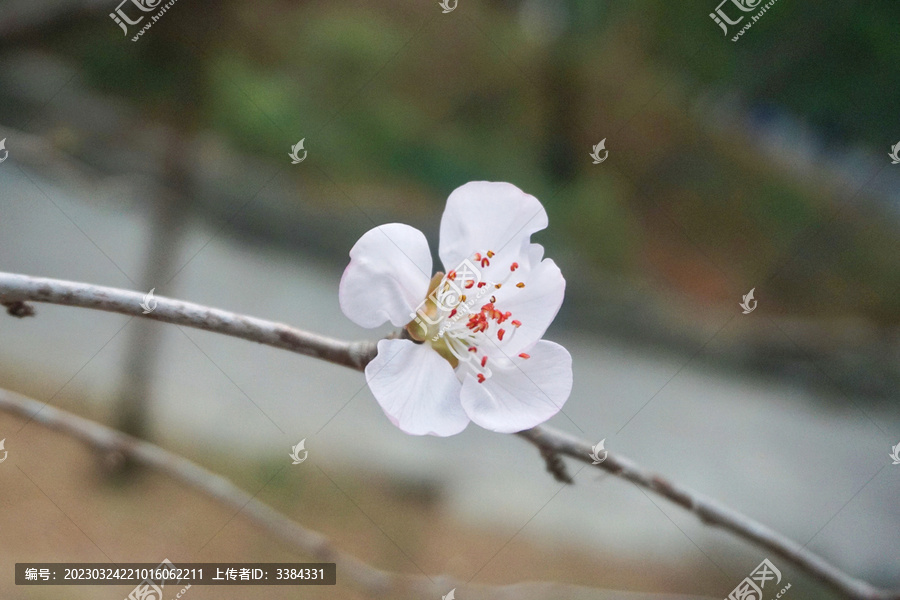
[[21, 288], [368, 579]]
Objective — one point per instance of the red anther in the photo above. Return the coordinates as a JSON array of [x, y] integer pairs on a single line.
[[473, 349], [451, 275], [523, 355], [514, 266], [480, 378], [520, 285], [452, 313], [517, 322], [487, 307], [493, 299], [483, 360], [500, 334], [485, 262], [490, 254], [477, 256], [481, 284], [469, 284]]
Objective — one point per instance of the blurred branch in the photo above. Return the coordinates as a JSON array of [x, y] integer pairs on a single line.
[[18, 289], [369, 579]]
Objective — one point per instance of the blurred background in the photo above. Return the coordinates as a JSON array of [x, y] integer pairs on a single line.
[[163, 163]]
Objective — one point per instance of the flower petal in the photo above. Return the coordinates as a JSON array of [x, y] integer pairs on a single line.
[[534, 306], [416, 388], [388, 275], [523, 396], [485, 215]]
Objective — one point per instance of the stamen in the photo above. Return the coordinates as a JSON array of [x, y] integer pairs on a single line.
[[483, 360], [517, 322], [480, 378], [523, 355], [485, 262], [500, 334], [451, 275], [514, 266]]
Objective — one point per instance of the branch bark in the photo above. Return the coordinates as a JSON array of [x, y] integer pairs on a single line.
[[18, 289]]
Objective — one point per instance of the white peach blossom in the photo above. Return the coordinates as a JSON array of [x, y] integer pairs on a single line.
[[476, 352]]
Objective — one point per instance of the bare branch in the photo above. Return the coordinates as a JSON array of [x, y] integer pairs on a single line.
[[551, 442], [15, 289], [709, 512]]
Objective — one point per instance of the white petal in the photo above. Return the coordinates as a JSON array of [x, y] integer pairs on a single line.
[[416, 388], [534, 305], [526, 395], [484, 215], [388, 275]]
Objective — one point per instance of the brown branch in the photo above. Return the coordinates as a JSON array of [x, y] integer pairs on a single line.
[[551, 442]]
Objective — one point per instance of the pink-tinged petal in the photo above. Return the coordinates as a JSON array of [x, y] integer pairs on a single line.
[[484, 215], [532, 307], [388, 275], [416, 388], [525, 395]]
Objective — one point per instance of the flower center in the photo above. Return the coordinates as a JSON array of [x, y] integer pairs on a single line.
[[451, 322]]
